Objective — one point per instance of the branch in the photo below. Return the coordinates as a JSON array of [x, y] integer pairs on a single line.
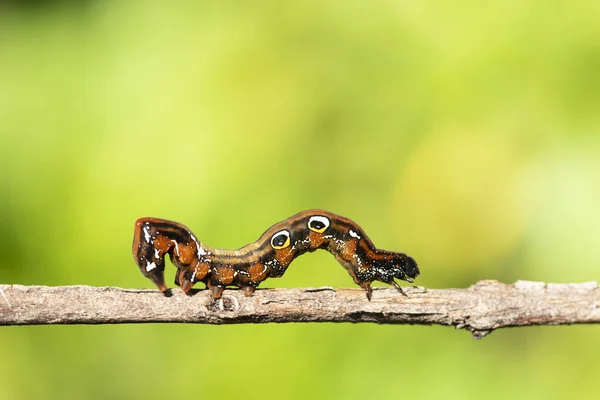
[[482, 308]]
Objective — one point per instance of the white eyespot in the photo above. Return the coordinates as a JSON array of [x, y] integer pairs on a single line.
[[150, 266], [147, 236], [318, 223], [354, 234], [280, 240]]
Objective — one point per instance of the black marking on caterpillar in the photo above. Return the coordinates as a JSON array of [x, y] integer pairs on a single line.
[[268, 257]]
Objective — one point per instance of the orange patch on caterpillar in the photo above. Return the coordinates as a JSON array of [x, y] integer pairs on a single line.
[[201, 271], [224, 274], [316, 239], [161, 243], [349, 250], [257, 272], [186, 254], [285, 256]]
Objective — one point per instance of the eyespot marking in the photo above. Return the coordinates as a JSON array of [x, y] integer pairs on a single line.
[[280, 240], [318, 223]]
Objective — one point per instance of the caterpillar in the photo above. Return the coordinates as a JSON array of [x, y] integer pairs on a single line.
[[268, 257]]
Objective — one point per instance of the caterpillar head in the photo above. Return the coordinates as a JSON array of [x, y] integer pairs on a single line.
[[400, 266], [405, 268]]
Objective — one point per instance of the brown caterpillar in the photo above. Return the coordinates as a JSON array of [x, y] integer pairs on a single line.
[[268, 257]]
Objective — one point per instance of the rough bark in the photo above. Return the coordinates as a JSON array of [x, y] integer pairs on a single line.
[[481, 308]]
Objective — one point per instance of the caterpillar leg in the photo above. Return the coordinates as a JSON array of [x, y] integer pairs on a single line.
[[248, 290], [395, 284], [186, 286], [157, 276], [215, 290], [368, 289], [183, 282]]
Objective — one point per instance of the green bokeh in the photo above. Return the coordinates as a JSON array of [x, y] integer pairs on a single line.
[[466, 134]]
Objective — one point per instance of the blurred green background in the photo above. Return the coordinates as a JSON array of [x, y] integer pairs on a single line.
[[466, 134]]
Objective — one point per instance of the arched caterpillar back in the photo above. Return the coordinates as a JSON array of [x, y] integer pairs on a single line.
[[268, 257]]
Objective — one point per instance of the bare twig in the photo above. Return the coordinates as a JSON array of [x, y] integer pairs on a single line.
[[483, 307]]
